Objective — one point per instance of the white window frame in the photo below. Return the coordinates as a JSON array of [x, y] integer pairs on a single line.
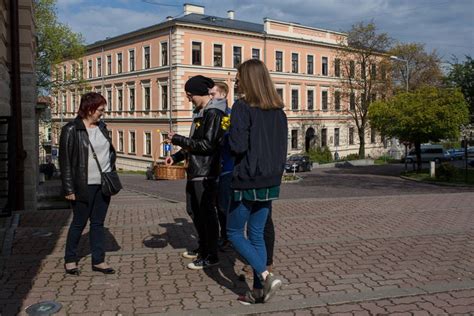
[[107, 65], [340, 100], [97, 66], [311, 88], [90, 69], [242, 55], [130, 141], [191, 52], [281, 86], [134, 60], [118, 141], [327, 68], [282, 60], [259, 52], [294, 87], [117, 88], [314, 64], [146, 85], [117, 63], [144, 143], [132, 86], [161, 85], [167, 54], [143, 56], [109, 105], [223, 54], [298, 62], [321, 99]]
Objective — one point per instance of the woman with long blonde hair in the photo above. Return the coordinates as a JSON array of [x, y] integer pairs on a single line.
[[258, 141]]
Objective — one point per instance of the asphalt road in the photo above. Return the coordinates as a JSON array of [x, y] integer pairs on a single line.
[[377, 180]]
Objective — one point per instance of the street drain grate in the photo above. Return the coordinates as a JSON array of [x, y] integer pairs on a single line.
[[43, 308]]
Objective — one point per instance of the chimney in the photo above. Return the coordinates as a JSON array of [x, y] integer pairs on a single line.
[[192, 8], [230, 14]]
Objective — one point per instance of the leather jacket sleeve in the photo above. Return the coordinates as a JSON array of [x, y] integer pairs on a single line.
[[179, 156], [208, 144], [66, 144]]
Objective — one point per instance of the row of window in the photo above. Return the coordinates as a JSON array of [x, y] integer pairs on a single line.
[[324, 97], [118, 60], [147, 139], [118, 104], [237, 57], [336, 138], [132, 142]]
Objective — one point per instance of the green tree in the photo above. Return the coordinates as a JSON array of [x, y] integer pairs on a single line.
[[423, 68], [364, 69], [55, 42], [462, 75], [427, 114]]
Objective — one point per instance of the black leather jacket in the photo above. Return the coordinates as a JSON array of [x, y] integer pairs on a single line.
[[202, 148], [73, 157]]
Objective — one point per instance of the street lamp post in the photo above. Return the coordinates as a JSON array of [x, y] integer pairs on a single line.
[[403, 60]]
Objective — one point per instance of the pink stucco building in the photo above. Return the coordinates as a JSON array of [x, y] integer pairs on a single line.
[[142, 76]]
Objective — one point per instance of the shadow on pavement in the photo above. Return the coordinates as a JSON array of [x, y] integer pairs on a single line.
[[179, 234], [110, 245], [224, 273], [35, 238]]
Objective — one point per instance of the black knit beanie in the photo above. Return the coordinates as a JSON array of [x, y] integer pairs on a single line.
[[198, 85]]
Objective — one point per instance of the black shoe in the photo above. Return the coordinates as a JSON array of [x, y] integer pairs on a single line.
[[73, 271], [104, 271], [191, 254], [201, 263]]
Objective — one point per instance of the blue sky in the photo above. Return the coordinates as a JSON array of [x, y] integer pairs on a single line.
[[444, 25]]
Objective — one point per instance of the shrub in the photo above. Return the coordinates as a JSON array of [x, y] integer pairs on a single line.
[[320, 155], [446, 171], [352, 157]]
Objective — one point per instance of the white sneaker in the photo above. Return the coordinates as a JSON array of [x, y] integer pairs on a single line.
[[270, 287]]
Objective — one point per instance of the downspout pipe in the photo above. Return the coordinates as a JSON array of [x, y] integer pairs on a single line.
[[16, 112]]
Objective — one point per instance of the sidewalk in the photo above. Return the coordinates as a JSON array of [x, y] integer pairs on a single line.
[[354, 256]]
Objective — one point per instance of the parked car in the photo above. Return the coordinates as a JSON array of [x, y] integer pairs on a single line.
[[471, 163], [298, 163], [456, 153], [429, 153]]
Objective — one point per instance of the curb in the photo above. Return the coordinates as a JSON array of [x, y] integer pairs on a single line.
[[438, 183]]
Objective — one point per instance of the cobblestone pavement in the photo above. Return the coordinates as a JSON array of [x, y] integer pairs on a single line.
[[407, 253]]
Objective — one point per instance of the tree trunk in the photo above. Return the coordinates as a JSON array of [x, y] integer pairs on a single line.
[[361, 145], [418, 156]]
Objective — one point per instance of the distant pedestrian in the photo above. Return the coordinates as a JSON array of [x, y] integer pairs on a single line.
[[258, 140], [81, 179], [201, 150]]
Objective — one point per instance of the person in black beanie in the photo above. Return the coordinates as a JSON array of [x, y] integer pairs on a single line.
[[201, 150]]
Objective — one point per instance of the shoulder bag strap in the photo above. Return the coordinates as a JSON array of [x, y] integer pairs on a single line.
[[94, 154]]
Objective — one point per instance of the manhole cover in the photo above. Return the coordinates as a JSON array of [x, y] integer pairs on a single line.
[[43, 308]]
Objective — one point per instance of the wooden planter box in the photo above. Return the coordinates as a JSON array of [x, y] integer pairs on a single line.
[[164, 172]]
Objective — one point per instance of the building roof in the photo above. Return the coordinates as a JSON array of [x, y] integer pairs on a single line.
[[192, 18], [227, 23]]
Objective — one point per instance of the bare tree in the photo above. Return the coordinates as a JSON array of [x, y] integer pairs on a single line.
[[363, 66]]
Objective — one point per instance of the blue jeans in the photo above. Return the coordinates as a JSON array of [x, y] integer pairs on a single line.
[[95, 211], [254, 214]]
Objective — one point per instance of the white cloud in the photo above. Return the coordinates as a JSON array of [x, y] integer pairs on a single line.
[[97, 23]]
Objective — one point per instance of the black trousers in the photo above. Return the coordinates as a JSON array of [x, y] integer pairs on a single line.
[[269, 237], [95, 210], [201, 206]]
